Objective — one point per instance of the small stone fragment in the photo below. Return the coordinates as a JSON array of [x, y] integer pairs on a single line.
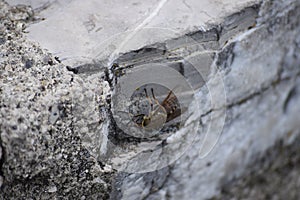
[[29, 63]]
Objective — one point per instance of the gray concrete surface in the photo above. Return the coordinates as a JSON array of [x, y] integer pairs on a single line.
[[59, 138]]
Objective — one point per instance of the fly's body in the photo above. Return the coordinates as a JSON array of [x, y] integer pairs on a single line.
[[159, 113]]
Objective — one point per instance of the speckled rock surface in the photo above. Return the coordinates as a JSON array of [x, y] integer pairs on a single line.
[[42, 154], [60, 140]]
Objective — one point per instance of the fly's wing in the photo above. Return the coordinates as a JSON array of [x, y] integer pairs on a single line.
[[172, 106]]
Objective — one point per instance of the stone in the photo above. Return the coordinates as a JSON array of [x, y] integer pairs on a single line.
[[237, 65], [102, 28]]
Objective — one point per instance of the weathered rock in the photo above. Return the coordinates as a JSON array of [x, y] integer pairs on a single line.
[[43, 153], [239, 135]]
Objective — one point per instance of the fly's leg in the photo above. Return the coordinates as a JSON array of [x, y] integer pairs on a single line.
[[155, 99]]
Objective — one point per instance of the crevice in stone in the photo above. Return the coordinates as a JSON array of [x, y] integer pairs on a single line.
[[107, 77], [88, 68], [164, 52], [225, 58], [2, 158], [253, 95], [291, 94], [158, 52], [74, 70], [262, 90]]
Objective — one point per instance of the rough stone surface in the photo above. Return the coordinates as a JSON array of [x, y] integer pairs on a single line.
[[59, 139], [42, 154], [273, 175]]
